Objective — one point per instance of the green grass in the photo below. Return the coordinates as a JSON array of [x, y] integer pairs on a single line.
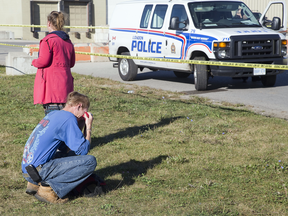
[[159, 154]]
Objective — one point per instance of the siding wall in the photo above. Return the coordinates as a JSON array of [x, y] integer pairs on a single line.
[[260, 6], [27, 12], [257, 5], [19, 12], [254, 5]]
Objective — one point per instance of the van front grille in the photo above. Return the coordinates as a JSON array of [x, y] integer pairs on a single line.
[[255, 46]]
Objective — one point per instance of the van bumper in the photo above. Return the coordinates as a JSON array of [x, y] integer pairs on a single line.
[[113, 59], [244, 72]]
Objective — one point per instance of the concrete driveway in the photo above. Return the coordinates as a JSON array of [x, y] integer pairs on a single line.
[[270, 101]]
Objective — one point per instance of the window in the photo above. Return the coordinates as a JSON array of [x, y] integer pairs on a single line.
[[146, 16], [180, 12], [77, 12], [222, 14], [158, 16], [39, 13]]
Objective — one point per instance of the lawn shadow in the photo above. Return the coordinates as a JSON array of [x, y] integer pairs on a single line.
[[215, 84], [130, 132], [128, 171]]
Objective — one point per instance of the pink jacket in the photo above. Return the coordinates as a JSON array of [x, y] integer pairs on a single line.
[[54, 81]]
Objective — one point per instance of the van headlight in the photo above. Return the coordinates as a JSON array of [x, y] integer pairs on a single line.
[[223, 54], [284, 51], [222, 50]]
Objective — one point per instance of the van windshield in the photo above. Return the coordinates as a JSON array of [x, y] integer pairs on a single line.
[[222, 14]]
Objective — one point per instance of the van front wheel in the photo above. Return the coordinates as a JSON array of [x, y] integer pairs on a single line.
[[268, 81], [127, 69], [200, 75]]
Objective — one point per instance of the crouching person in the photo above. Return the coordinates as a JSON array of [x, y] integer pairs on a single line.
[[58, 176]]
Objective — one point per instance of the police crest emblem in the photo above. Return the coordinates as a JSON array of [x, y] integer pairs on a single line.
[[173, 48]]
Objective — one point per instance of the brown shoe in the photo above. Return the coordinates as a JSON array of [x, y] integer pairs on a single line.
[[31, 188], [46, 194]]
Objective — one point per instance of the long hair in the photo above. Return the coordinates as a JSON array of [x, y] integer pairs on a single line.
[[57, 20]]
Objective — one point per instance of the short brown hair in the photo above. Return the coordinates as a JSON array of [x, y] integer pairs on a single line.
[[57, 20], [75, 98]]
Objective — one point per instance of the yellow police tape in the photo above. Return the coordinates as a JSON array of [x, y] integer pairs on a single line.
[[13, 45], [44, 26], [214, 63]]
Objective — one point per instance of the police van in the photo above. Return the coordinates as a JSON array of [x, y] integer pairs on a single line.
[[208, 30]]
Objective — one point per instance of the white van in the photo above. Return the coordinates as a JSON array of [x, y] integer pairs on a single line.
[[225, 31]]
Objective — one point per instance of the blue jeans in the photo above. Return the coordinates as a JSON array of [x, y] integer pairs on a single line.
[[66, 173]]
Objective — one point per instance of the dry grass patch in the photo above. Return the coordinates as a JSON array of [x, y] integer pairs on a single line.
[[158, 153]]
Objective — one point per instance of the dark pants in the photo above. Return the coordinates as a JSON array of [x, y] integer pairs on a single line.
[[51, 107]]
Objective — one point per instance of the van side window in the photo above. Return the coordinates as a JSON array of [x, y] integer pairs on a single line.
[[180, 12], [158, 16], [146, 16]]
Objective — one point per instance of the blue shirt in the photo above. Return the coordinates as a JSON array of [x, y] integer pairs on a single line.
[[55, 129]]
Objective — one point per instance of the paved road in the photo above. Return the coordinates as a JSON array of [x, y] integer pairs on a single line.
[[5, 49], [267, 101]]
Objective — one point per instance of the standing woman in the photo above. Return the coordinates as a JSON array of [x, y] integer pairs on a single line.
[[54, 81]]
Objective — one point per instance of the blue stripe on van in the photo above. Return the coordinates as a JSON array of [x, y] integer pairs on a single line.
[[188, 39]]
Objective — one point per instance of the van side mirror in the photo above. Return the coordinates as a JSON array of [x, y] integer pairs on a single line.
[[174, 23], [276, 23]]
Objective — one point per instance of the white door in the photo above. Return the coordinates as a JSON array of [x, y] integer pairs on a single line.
[[275, 9], [177, 39], [150, 39], [140, 40]]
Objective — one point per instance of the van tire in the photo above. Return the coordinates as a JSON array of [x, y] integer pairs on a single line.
[[268, 81], [200, 75], [127, 68], [181, 74]]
